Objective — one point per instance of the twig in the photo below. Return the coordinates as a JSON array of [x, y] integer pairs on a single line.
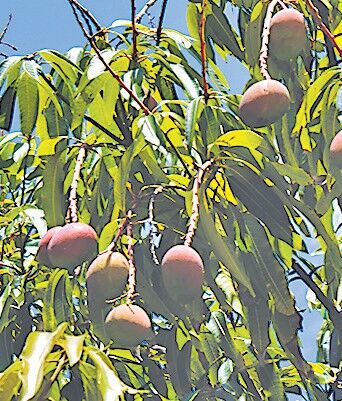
[[71, 216], [3, 34], [121, 229], [161, 19], [334, 314], [203, 50], [132, 269], [316, 16], [86, 12], [74, 6], [134, 30], [144, 10], [48, 383], [196, 202], [265, 39], [153, 230]]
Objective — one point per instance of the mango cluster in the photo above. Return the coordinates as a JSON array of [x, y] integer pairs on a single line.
[[265, 102]]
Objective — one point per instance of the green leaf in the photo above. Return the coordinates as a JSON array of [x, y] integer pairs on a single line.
[[261, 200], [245, 138], [108, 381], [271, 275], [222, 249], [73, 346], [7, 103], [48, 147], [57, 300], [36, 350], [10, 381], [52, 196], [296, 174], [65, 68], [28, 97], [191, 119]]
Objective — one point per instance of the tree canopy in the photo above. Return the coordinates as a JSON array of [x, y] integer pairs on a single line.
[[181, 212]]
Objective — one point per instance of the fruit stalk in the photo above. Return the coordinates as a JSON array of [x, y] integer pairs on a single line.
[[316, 16], [71, 216], [265, 39], [132, 269], [203, 50], [196, 203], [121, 229]]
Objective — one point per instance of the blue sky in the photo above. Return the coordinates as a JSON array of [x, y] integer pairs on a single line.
[[41, 24]]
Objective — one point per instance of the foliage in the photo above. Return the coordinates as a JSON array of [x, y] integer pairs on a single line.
[[269, 205]]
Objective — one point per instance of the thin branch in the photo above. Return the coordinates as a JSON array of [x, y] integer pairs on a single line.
[[196, 203], [3, 33], [71, 216], [161, 19], [316, 16], [131, 293], [74, 6], [87, 13], [144, 10], [334, 314], [265, 39], [203, 50], [134, 30]]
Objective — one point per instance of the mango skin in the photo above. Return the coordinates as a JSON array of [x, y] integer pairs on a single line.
[[72, 245], [264, 103], [336, 150], [42, 254], [106, 277], [127, 326], [287, 34], [182, 273]]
